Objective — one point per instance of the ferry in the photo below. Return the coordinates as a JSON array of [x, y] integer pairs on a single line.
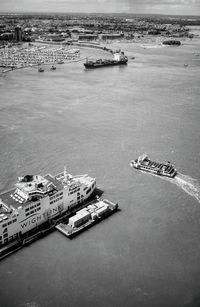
[[36, 200], [145, 164], [95, 212]]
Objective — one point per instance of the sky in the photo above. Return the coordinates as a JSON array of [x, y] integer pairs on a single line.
[[175, 7]]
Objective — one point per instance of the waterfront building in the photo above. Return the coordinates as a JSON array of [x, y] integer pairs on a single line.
[[112, 36], [18, 34]]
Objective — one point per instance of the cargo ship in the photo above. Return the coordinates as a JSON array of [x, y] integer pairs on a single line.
[[38, 200], [145, 164], [95, 212], [118, 59]]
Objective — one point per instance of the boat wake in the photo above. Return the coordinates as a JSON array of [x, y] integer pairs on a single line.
[[186, 183]]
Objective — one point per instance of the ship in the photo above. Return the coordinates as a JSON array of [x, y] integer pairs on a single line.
[[36, 200], [118, 59], [95, 212], [162, 169]]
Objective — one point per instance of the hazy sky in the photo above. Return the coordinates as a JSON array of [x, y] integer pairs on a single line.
[[187, 7]]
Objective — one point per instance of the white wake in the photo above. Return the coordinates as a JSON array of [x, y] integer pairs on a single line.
[[186, 183]]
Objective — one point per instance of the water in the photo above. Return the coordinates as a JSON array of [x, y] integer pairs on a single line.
[[186, 183], [95, 122]]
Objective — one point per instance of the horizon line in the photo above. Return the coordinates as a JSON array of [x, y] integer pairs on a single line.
[[91, 13]]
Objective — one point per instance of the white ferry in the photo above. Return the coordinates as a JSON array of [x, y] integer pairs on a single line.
[[162, 169], [37, 199]]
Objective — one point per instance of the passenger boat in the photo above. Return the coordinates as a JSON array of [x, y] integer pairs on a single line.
[[145, 164], [36, 200]]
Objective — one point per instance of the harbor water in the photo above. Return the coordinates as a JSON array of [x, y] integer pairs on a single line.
[[95, 122]]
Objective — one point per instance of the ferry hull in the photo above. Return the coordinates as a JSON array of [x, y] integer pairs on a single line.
[[155, 172]]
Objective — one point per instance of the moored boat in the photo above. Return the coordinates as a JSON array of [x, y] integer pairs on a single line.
[[38, 200], [40, 69], [53, 67], [96, 211]]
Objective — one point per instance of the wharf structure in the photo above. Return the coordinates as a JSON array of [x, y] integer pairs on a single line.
[[93, 213]]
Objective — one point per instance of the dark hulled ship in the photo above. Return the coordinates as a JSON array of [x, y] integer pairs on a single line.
[[118, 59]]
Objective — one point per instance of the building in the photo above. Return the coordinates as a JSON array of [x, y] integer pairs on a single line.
[[110, 36], [87, 37], [18, 34]]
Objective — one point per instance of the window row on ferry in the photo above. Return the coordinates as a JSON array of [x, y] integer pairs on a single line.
[[74, 191], [55, 200], [32, 207], [56, 195], [10, 222], [31, 212]]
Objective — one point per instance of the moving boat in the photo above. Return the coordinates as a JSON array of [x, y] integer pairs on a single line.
[[145, 164], [118, 59]]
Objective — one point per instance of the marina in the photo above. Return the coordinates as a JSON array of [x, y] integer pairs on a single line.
[[31, 55]]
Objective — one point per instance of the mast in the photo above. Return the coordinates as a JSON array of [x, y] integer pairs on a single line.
[[65, 174]]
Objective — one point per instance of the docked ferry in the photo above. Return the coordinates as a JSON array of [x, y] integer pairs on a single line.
[[145, 164], [37, 199]]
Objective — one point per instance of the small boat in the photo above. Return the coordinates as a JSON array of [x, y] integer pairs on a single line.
[[40, 69], [60, 62], [53, 67], [143, 163]]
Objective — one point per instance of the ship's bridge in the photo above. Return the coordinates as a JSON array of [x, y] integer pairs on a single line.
[[29, 188]]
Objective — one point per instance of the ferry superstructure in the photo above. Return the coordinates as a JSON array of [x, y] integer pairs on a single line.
[[145, 164], [37, 199]]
